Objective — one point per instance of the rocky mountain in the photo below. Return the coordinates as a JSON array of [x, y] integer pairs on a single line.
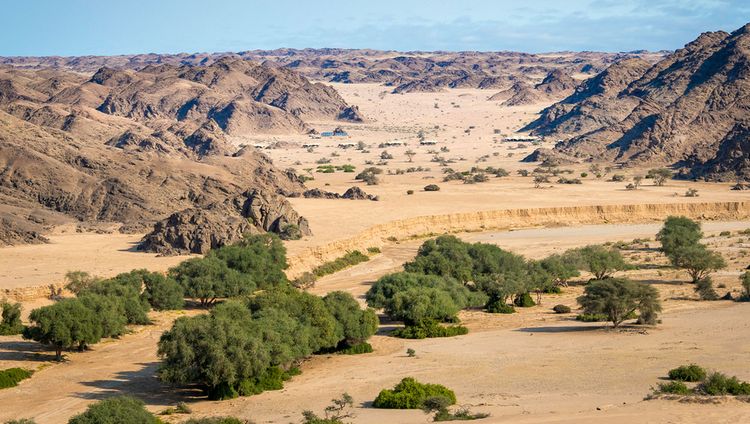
[[690, 110], [403, 71], [554, 86], [133, 147]]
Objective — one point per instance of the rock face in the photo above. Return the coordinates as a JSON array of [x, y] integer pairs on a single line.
[[690, 110], [198, 230], [555, 85], [132, 147], [353, 193]]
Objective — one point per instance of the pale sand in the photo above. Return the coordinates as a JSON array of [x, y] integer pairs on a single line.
[[531, 367]]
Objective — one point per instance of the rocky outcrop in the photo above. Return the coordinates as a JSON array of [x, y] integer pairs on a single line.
[[353, 193], [689, 110], [134, 146], [198, 230], [554, 86]]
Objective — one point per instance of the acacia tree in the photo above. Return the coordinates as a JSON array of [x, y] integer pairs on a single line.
[[421, 307], [598, 260], [660, 175], [618, 298], [697, 260], [66, 324], [445, 255], [208, 279], [11, 319], [353, 324], [410, 154], [678, 232], [680, 239]]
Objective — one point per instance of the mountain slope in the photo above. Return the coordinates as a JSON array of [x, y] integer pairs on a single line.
[[690, 109]]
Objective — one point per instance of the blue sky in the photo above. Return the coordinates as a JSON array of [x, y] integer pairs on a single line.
[[106, 27]]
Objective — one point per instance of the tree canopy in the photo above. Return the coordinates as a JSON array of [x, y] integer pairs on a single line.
[[618, 298]]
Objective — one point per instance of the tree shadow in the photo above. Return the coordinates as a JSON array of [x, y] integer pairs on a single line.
[[21, 350], [560, 329], [133, 248], [142, 383]]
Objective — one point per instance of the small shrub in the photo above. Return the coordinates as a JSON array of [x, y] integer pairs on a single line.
[[618, 178], [674, 388], [524, 300], [500, 307], [305, 281], [350, 259], [356, 349], [11, 319], [411, 353], [561, 309], [216, 420], [373, 250], [429, 331], [119, 409], [705, 289], [431, 187], [689, 373], [718, 384], [12, 376], [410, 192], [411, 394]]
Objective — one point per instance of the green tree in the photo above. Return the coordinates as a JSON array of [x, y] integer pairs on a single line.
[[66, 324], [162, 292], [262, 257], [353, 324], [678, 232], [560, 268], [660, 175], [119, 409], [446, 256], [421, 306], [697, 260], [78, 281], [109, 311], [11, 319], [208, 279], [381, 293], [125, 287], [618, 298], [598, 260]]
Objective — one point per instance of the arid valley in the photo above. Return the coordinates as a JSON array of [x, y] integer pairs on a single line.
[[539, 237]]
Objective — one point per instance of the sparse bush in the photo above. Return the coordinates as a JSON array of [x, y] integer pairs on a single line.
[[12, 376], [411, 353], [11, 319], [691, 193], [409, 192], [689, 373], [660, 175], [718, 384], [524, 300], [705, 289], [119, 409], [500, 307], [592, 317], [410, 394], [349, 259], [373, 250], [673, 388], [617, 178], [305, 281], [290, 232], [745, 281], [217, 420], [561, 309], [432, 187], [430, 330]]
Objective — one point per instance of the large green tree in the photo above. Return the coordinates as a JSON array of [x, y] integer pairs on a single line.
[[354, 325], [66, 324], [618, 298], [210, 278], [602, 262], [422, 306], [678, 232]]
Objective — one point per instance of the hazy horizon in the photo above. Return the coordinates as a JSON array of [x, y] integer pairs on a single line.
[[84, 27]]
